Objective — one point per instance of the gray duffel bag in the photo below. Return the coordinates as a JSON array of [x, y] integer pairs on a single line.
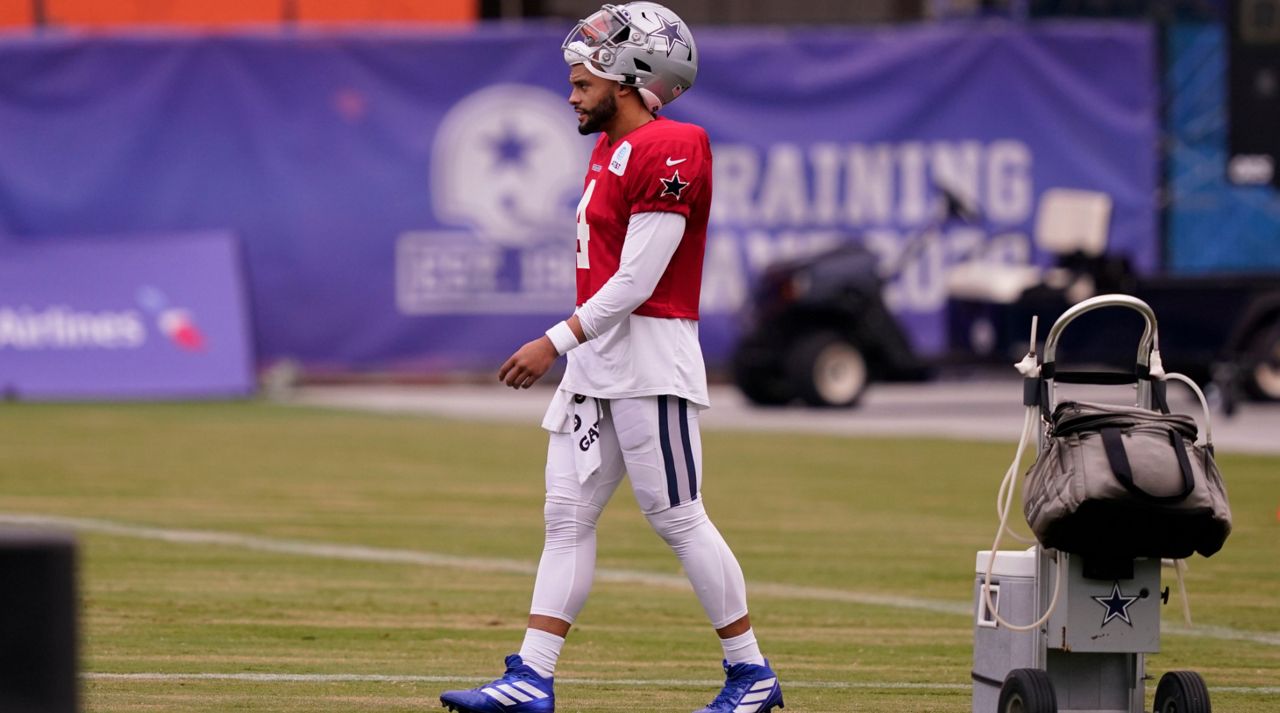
[[1126, 482]]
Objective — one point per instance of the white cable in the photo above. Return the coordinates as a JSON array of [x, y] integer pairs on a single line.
[[1179, 569], [1204, 404], [1010, 480], [1029, 368], [1007, 488], [1180, 565]]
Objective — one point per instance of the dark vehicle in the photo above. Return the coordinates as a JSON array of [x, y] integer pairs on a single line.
[[1223, 332], [818, 330]]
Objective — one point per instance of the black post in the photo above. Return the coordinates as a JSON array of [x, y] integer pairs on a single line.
[[1253, 92], [38, 16], [37, 623]]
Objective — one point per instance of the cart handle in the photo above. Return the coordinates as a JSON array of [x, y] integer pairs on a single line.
[[1150, 341], [1150, 338]]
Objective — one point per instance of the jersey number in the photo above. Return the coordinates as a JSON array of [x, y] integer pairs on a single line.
[[584, 230]]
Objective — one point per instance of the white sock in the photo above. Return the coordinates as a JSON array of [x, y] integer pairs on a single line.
[[541, 649], [742, 649]]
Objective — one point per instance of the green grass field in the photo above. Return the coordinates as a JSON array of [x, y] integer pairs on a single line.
[[813, 519]]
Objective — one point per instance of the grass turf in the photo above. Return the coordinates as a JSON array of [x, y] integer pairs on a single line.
[[888, 517]]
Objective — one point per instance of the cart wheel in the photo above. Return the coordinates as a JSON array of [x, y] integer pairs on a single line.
[[1027, 690], [828, 370], [1182, 692], [1263, 380]]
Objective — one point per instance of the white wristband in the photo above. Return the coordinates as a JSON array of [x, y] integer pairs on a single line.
[[562, 337]]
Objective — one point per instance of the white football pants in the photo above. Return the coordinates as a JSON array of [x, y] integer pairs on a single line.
[[655, 441]]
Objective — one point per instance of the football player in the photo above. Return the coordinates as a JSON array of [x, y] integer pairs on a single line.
[[635, 379]]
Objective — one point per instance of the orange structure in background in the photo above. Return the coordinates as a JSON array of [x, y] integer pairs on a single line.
[[225, 13], [14, 13], [387, 10]]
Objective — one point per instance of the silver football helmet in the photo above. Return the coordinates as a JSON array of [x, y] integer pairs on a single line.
[[640, 44]]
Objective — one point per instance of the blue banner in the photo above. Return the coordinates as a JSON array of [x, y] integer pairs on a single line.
[[1214, 226], [406, 199], [156, 317]]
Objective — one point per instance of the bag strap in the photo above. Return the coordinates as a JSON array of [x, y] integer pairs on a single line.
[[1049, 372], [1113, 444], [1159, 395], [1102, 378]]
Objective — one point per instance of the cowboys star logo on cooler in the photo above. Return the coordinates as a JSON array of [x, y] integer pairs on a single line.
[[1117, 605], [175, 323]]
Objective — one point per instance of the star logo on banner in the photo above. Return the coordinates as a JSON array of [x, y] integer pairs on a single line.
[[1117, 605], [510, 148], [670, 32], [673, 186]]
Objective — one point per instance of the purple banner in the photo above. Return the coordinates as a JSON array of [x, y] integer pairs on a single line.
[[163, 317], [406, 200]]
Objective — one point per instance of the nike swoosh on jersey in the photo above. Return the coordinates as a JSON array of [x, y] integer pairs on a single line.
[[674, 163]]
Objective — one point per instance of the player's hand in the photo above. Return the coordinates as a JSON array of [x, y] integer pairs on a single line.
[[528, 364]]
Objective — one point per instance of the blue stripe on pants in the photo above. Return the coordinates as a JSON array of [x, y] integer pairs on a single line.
[[688, 449], [664, 437]]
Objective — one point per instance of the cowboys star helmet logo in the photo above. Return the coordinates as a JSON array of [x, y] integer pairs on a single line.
[[670, 31], [673, 186]]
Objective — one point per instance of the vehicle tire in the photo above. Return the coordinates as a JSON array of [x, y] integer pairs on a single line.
[[827, 370], [1263, 379], [763, 387], [1182, 692], [1027, 690]]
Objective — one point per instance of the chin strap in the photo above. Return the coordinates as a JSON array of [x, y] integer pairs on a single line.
[[651, 100], [578, 53]]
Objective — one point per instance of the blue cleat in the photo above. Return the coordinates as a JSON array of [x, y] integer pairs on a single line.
[[748, 688], [520, 690]]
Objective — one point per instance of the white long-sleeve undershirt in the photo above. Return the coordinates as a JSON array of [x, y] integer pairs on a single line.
[[627, 355], [652, 238]]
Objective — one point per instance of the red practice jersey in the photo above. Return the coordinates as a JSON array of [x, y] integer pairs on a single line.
[[663, 166]]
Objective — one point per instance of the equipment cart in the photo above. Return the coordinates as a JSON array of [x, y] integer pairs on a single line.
[[1088, 653]]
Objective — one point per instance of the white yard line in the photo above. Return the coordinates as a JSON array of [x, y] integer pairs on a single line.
[[506, 566], [432, 559], [605, 682]]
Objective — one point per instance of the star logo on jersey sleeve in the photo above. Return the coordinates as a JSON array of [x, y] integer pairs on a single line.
[[673, 186]]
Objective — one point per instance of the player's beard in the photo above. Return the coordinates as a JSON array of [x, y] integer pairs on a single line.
[[599, 115]]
